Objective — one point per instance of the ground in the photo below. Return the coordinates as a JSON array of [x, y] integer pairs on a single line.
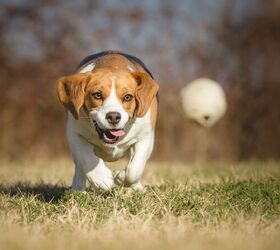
[[185, 206]]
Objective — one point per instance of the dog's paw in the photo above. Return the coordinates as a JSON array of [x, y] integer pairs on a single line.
[[134, 188], [119, 177], [101, 179], [137, 187]]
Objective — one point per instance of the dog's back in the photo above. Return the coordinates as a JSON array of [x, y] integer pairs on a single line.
[[108, 58]]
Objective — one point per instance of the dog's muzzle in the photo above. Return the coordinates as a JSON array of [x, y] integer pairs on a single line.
[[109, 136]]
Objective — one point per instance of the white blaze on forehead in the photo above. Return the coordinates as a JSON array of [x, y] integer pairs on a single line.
[[88, 68], [113, 103]]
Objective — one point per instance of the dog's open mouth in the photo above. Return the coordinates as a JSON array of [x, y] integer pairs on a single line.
[[109, 136]]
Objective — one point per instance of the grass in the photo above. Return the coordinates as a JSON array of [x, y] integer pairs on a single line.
[[212, 206]]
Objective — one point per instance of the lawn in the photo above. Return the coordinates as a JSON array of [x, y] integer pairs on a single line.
[[185, 206]]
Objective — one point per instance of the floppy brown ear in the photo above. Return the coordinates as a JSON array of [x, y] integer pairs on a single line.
[[71, 91], [145, 92]]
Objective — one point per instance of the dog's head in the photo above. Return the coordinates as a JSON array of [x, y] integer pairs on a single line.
[[110, 98]]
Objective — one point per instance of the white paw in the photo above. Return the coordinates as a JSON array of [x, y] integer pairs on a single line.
[[119, 177], [101, 178], [137, 187]]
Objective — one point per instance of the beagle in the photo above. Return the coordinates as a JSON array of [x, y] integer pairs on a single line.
[[112, 106]]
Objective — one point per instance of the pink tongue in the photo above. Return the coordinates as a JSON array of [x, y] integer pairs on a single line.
[[118, 133]]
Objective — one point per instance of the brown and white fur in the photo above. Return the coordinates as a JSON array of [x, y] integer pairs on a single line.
[[112, 107]]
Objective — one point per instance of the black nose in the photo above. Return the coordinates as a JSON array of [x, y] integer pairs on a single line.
[[206, 117], [113, 117]]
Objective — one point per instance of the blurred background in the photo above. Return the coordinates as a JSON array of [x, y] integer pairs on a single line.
[[236, 43]]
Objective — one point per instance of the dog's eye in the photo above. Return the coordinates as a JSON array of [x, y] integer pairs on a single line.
[[97, 95], [127, 97]]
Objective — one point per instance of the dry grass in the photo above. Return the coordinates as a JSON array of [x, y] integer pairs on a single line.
[[214, 206]]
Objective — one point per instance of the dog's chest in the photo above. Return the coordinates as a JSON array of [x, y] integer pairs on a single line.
[[110, 153]]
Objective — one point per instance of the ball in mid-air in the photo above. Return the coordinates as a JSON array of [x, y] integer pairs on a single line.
[[204, 101]]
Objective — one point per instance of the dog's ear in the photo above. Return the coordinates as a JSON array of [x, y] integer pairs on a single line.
[[71, 91], [145, 92]]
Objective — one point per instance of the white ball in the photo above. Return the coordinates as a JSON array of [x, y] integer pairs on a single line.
[[204, 101]]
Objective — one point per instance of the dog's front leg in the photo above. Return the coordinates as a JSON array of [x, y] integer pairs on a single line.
[[87, 165], [140, 153]]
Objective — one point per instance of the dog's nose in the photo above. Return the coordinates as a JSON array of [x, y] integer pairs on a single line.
[[206, 117], [113, 117]]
